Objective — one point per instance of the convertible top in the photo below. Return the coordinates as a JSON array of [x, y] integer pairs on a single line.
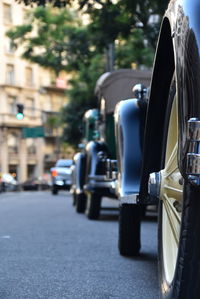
[[117, 85]]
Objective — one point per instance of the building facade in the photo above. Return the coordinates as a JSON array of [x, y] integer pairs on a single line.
[[28, 84]]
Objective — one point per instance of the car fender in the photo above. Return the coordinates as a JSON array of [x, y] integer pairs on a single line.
[[177, 54], [129, 130], [93, 149], [79, 171]]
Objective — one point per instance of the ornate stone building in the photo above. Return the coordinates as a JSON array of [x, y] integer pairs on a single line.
[[30, 85]]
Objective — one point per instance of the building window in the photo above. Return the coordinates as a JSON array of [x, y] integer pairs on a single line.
[[7, 13], [13, 143], [30, 106], [10, 46], [31, 169], [10, 74], [13, 170], [29, 76], [26, 14], [31, 148], [12, 102]]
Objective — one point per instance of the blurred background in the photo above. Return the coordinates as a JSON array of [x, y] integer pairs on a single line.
[[51, 57]]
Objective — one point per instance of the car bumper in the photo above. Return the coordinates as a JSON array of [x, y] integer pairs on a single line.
[[62, 184], [101, 184]]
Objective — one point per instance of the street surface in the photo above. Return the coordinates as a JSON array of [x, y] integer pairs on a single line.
[[49, 251]]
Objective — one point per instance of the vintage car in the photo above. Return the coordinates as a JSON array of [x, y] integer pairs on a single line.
[[170, 173], [90, 132], [111, 88]]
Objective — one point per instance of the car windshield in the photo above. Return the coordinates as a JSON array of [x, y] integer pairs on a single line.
[[64, 163]]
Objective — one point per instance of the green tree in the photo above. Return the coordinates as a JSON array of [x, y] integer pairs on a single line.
[[82, 98], [132, 51], [114, 17], [111, 19], [53, 123], [128, 27], [56, 39], [52, 38]]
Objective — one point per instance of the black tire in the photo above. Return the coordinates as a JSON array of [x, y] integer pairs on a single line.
[[93, 206], [80, 203], [54, 190], [129, 229], [143, 211], [183, 282]]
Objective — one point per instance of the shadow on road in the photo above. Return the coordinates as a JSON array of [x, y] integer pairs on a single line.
[[144, 256], [109, 214], [105, 217], [112, 214]]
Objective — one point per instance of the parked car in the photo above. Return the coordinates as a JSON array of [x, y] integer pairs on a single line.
[[170, 173], [61, 175], [110, 89], [8, 183], [90, 132], [35, 184]]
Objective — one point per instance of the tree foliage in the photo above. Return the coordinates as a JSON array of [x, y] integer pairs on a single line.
[[111, 19], [133, 53], [82, 98], [54, 3], [114, 17], [52, 38], [56, 39]]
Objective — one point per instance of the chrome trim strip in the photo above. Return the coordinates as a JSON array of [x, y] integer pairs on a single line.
[[101, 184], [193, 155]]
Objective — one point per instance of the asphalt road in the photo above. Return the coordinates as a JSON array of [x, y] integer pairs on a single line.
[[49, 251]]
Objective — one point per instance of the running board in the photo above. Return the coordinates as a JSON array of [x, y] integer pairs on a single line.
[[136, 199]]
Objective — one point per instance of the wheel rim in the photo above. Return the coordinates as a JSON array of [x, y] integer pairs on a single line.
[[172, 196]]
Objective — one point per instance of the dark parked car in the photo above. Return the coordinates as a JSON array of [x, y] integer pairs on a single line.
[[36, 184], [110, 88], [61, 175], [8, 183], [91, 179], [90, 132]]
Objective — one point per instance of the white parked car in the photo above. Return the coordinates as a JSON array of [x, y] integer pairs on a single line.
[[61, 175]]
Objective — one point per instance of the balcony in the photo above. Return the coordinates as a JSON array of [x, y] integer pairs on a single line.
[[10, 120], [31, 158]]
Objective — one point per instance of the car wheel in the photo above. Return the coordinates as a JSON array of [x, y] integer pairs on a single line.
[[179, 221], [93, 205], [129, 229], [54, 190], [80, 203]]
